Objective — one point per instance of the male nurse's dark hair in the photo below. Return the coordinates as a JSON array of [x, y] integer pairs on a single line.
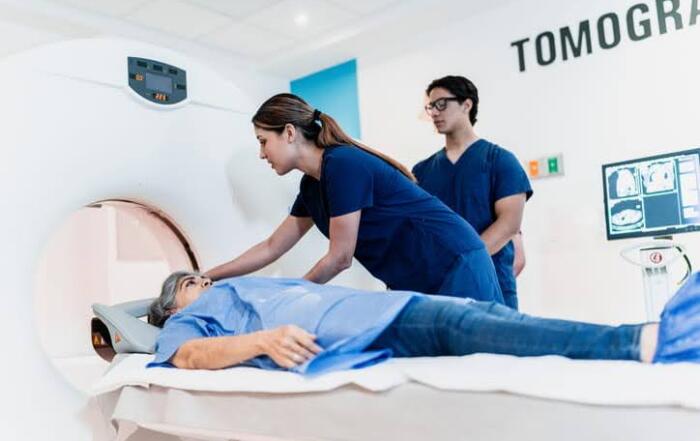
[[286, 108], [461, 88]]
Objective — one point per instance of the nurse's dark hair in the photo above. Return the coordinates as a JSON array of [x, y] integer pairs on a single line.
[[461, 88], [162, 307], [286, 108]]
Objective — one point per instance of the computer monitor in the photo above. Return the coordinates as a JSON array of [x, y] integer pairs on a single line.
[[653, 196]]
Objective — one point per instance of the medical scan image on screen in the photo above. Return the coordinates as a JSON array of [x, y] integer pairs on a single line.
[[653, 196], [627, 215], [623, 183], [658, 176]]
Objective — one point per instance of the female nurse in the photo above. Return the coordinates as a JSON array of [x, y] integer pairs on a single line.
[[368, 206]]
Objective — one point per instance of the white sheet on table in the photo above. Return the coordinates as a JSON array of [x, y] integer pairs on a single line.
[[132, 371], [582, 381]]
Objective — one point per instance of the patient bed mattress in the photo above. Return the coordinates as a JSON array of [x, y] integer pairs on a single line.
[[480, 397]]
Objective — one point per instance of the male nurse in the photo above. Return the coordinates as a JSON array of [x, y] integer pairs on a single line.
[[481, 181]]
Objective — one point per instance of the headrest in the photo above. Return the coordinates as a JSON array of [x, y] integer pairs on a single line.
[[118, 329]]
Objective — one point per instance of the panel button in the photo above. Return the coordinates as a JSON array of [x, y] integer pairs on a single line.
[[181, 87], [172, 71], [141, 64], [158, 67], [160, 96]]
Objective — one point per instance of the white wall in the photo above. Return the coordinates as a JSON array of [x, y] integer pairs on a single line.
[[637, 99]]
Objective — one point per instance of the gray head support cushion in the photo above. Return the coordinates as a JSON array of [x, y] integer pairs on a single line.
[[127, 333]]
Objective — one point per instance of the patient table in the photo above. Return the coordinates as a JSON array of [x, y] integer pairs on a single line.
[[476, 397]]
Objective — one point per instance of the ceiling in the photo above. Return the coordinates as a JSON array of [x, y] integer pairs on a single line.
[[284, 37]]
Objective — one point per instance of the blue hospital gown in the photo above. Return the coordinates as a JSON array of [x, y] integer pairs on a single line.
[[345, 321]]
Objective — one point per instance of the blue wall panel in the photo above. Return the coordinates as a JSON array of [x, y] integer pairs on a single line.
[[333, 91]]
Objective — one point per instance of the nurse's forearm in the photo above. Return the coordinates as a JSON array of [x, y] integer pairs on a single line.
[[341, 248], [253, 259], [328, 267], [499, 233], [282, 240], [509, 216], [518, 254]]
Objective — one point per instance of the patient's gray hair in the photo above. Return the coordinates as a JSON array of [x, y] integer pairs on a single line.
[[162, 307]]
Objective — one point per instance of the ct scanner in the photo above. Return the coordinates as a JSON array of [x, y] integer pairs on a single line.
[[74, 131]]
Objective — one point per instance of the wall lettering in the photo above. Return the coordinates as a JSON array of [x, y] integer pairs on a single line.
[[610, 28]]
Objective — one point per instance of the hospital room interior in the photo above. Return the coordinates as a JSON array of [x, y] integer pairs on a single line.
[[136, 143]]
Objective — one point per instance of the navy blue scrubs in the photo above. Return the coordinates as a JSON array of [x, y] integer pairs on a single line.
[[407, 238], [483, 174]]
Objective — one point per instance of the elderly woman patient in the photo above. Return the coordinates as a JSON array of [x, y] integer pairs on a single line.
[[309, 328]]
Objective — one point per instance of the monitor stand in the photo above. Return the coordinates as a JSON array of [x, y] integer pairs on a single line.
[[654, 257]]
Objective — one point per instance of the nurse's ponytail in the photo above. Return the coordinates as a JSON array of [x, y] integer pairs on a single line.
[[286, 108]]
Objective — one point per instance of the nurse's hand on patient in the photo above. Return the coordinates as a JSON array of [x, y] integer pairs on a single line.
[[289, 345]]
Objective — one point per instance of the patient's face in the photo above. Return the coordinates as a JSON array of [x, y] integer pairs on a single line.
[[189, 289]]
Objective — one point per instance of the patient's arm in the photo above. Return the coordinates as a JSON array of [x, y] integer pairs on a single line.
[[259, 256], [287, 346]]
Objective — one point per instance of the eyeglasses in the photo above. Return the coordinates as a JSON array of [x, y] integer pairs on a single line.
[[440, 104]]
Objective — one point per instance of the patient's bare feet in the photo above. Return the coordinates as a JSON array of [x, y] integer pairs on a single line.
[[647, 342]]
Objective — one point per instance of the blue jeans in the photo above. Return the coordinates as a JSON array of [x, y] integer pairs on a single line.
[[434, 326]]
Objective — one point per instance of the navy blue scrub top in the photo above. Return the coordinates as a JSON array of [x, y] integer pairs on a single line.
[[483, 174], [407, 238]]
